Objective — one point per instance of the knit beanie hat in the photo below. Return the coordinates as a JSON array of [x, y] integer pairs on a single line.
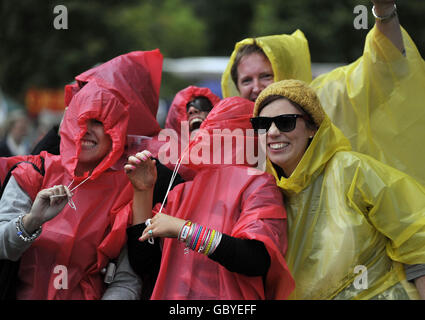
[[297, 91]]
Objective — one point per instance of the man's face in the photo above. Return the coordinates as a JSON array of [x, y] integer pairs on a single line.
[[255, 73]]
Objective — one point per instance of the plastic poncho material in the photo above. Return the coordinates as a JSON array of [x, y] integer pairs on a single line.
[[178, 112], [240, 205], [176, 142], [288, 54], [84, 240], [377, 101], [348, 212]]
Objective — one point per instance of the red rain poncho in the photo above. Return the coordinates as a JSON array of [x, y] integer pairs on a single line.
[[226, 198], [83, 240], [175, 142], [178, 112]]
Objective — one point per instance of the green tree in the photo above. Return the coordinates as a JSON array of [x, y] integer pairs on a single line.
[[226, 22], [328, 25], [170, 25], [34, 53]]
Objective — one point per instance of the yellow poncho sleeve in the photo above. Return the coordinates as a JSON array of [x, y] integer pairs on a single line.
[[394, 204], [378, 102]]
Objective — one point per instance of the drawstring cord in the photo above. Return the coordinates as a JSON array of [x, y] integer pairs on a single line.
[[70, 202], [173, 177]]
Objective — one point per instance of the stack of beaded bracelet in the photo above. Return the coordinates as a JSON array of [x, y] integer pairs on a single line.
[[23, 234], [199, 238]]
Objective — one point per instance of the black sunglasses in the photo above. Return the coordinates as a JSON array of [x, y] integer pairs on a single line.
[[284, 122], [201, 103]]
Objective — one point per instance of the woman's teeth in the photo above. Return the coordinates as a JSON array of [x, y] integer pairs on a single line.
[[276, 146], [195, 120], [87, 143]]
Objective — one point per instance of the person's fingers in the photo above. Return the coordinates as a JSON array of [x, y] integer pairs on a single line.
[[145, 235], [46, 193], [149, 232], [129, 168], [68, 192], [144, 155], [58, 196], [134, 160], [53, 195]]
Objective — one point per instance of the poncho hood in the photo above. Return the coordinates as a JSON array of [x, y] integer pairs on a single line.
[[225, 137], [178, 113], [121, 93], [289, 56]]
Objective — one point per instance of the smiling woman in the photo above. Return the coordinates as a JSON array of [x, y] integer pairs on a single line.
[[41, 230], [287, 137], [345, 209], [95, 145]]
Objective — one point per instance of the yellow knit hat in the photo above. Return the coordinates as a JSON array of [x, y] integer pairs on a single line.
[[297, 91]]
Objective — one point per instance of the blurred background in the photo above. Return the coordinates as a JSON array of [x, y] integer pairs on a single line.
[[196, 38]]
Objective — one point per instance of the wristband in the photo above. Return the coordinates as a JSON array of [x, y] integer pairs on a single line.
[[386, 18], [23, 234], [184, 232]]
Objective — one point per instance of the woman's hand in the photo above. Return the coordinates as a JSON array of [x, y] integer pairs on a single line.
[[163, 226], [141, 170], [383, 7], [47, 205]]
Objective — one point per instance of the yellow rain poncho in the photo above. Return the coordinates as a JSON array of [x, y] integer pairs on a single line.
[[346, 209], [289, 56], [377, 101]]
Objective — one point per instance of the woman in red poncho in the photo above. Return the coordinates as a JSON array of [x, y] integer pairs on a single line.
[[188, 110], [179, 109], [66, 239], [229, 222]]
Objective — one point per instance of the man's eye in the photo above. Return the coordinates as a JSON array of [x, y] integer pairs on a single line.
[[267, 76]]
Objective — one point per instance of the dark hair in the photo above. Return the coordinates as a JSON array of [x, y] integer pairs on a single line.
[[243, 51], [201, 103], [273, 97]]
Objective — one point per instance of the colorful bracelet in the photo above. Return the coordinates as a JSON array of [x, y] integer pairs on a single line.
[[209, 243], [184, 232], [199, 238], [204, 241], [189, 236], [21, 232], [194, 236], [216, 242]]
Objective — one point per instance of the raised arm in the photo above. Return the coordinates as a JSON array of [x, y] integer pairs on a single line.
[[387, 22]]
